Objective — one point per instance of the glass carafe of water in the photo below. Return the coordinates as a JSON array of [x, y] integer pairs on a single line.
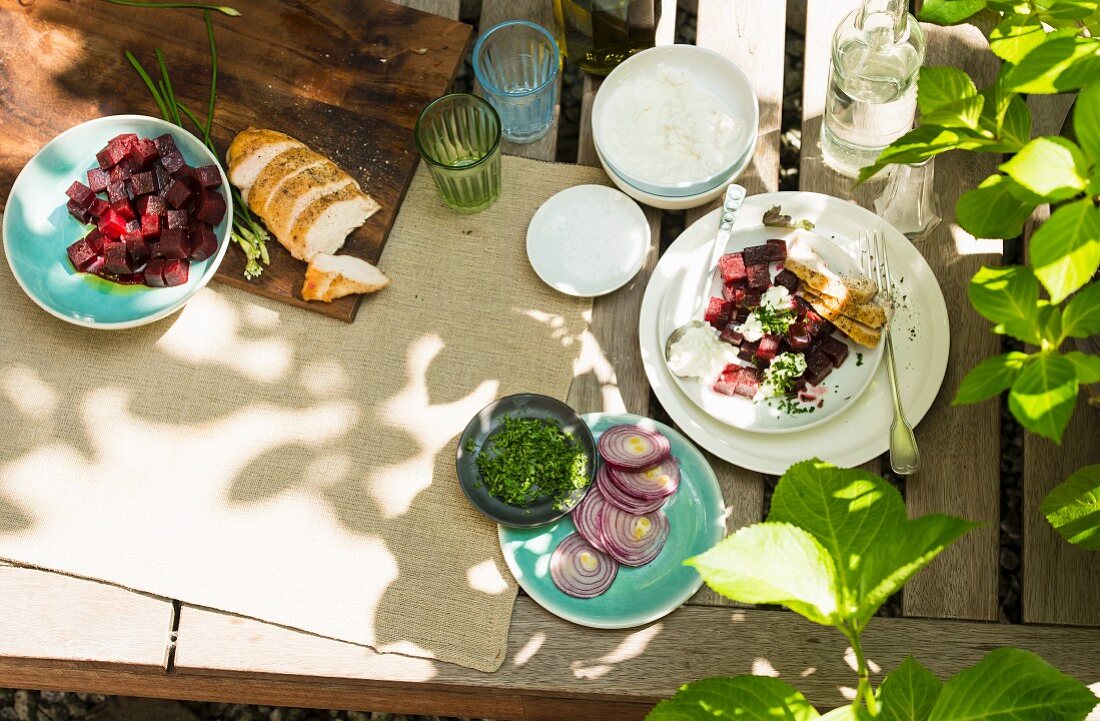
[[877, 53]]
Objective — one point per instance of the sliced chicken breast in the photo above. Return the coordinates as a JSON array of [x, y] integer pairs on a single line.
[[295, 194], [322, 226], [279, 169], [251, 150], [333, 276]]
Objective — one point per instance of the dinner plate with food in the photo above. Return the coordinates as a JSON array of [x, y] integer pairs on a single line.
[[858, 429], [790, 333], [616, 560]]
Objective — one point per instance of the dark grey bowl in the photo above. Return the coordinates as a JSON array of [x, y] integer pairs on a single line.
[[485, 423]]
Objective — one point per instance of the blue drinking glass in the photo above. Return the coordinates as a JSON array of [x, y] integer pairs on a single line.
[[517, 64]]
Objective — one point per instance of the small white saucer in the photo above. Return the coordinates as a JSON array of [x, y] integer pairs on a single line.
[[588, 240]]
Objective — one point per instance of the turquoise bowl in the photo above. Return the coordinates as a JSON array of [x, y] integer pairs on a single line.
[[38, 229], [697, 521]]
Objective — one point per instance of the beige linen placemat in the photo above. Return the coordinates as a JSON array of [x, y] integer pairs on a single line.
[[262, 460]]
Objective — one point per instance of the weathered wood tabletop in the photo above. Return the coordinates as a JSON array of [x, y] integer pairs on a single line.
[[63, 633]]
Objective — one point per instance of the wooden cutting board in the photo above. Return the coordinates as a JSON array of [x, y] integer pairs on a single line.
[[346, 77]]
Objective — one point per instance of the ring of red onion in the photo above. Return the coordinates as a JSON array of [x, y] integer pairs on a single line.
[[633, 447], [633, 540], [578, 569], [614, 494], [586, 516], [653, 483]]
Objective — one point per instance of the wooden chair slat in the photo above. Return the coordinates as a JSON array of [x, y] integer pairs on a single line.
[[66, 619], [551, 657], [446, 8]]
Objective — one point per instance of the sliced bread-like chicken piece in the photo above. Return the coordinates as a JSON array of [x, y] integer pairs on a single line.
[[322, 226], [333, 276], [280, 169], [296, 193], [251, 150]]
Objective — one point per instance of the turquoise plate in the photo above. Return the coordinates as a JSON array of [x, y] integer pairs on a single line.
[[696, 517], [38, 229]]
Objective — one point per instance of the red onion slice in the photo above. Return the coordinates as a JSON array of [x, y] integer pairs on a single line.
[[653, 483], [616, 496], [633, 540], [633, 447], [579, 570], [586, 516]]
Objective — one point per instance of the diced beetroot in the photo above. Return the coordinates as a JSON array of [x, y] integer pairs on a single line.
[[748, 350], [818, 365], [175, 272], [210, 207], [175, 219], [752, 299], [80, 194], [123, 139], [112, 225], [787, 279], [172, 160], [115, 260], [117, 192], [97, 180], [161, 177], [741, 314], [777, 249], [756, 255], [209, 176], [133, 226], [78, 212], [143, 183], [733, 294], [149, 205], [748, 382], [798, 337], [203, 242], [768, 347], [759, 276], [111, 156], [718, 312], [130, 278], [826, 330], [98, 207], [730, 334], [94, 239], [150, 227], [732, 266], [189, 176], [119, 174], [178, 195], [835, 349], [727, 380], [165, 144], [144, 153], [813, 323], [136, 249], [81, 255], [154, 273], [123, 208], [173, 243]]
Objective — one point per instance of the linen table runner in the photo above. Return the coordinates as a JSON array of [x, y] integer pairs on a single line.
[[265, 461]]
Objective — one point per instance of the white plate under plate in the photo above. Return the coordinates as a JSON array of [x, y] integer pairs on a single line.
[[587, 240], [921, 339], [843, 386]]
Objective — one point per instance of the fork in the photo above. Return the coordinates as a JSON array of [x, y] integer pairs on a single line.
[[904, 454]]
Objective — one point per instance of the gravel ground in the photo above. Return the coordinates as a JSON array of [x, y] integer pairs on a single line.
[[23, 705]]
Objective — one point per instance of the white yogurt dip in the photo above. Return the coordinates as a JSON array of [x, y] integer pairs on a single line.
[[699, 353]]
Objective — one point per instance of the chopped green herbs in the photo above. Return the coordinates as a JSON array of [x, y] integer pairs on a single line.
[[781, 375], [792, 407], [859, 359], [529, 459], [774, 320]]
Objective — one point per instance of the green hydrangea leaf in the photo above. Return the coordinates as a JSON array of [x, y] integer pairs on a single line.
[[1066, 9], [1012, 685], [922, 143], [1051, 167], [1005, 294], [1086, 121], [1058, 65], [1086, 365], [752, 698], [1044, 395], [1015, 37], [997, 208], [1081, 317], [947, 96], [1015, 129], [1073, 508], [773, 563], [990, 377], [949, 12], [860, 521], [908, 693], [1065, 250]]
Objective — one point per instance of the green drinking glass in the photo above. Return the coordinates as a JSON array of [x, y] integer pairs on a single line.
[[458, 135]]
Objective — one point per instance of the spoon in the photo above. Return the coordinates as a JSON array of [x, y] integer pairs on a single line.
[[735, 196]]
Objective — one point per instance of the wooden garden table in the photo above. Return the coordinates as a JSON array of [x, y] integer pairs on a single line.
[[58, 632]]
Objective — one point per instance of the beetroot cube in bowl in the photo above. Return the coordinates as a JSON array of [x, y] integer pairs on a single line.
[[117, 192], [818, 366], [798, 337], [98, 207], [777, 249], [124, 209], [175, 219], [78, 212], [732, 266], [150, 227], [95, 240], [80, 194], [203, 242], [788, 280], [172, 161], [154, 273], [112, 225], [756, 255], [768, 347], [144, 153], [759, 276], [173, 244], [835, 349], [115, 259], [137, 252], [98, 179], [175, 272], [119, 174], [190, 177], [82, 255], [210, 207], [717, 313], [178, 195], [165, 144], [150, 205], [209, 176], [111, 156], [143, 183], [161, 177], [123, 139]]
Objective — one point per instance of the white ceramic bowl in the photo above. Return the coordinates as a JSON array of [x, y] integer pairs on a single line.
[[710, 70], [665, 202]]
